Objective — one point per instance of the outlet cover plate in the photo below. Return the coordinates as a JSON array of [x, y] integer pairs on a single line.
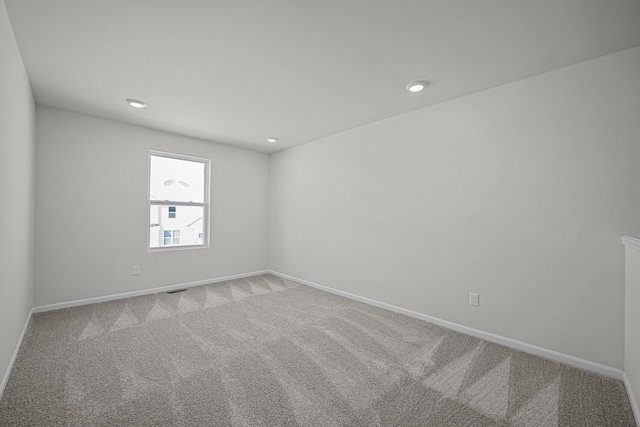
[[474, 299]]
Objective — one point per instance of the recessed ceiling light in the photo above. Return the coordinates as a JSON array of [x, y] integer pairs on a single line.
[[136, 103], [417, 86], [272, 139]]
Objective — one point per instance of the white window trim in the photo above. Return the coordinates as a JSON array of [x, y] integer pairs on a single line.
[[206, 204]]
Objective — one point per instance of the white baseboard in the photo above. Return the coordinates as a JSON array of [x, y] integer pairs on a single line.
[[7, 373], [57, 306], [86, 301], [632, 399], [487, 336], [518, 345]]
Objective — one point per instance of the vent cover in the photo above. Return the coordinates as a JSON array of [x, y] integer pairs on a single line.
[[176, 291]]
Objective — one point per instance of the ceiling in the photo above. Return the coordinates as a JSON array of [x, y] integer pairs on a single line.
[[239, 71]]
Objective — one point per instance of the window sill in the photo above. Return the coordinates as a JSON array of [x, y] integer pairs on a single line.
[[177, 248]]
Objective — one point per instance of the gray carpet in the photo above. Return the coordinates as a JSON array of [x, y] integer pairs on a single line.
[[264, 351]]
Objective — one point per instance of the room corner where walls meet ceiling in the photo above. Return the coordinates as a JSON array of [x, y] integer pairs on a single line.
[[241, 72]]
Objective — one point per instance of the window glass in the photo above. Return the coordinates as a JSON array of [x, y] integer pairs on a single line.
[[189, 224], [176, 180]]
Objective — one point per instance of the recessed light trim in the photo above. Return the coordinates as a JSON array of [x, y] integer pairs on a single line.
[[417, 86], [136, 103], [272, 139]]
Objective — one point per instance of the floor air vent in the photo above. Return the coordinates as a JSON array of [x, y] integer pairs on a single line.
[[176, 291]]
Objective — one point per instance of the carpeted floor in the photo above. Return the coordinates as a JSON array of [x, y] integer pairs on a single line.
[[264, 351]]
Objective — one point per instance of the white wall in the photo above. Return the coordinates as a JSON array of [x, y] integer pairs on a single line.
[[520, 193], [17, 145], [92, 173], [632, 320]]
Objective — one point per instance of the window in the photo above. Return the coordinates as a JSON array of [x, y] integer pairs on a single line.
[[171, 237], [178, 201]]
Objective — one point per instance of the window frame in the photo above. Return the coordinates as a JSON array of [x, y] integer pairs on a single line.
[[205, 204]]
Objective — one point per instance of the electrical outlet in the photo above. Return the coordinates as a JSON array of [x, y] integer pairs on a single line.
[[474, 299], [136, 270]]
